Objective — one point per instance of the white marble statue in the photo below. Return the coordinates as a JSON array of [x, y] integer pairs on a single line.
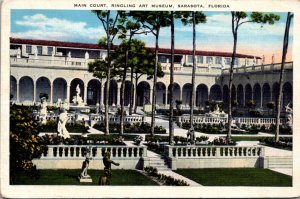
[[78, 99], [289, 115], [43, 111], [63, 118]]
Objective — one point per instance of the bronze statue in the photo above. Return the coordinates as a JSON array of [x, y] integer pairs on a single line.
[[105, 180]]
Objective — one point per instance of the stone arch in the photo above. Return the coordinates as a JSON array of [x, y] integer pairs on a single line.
[[127, 93], [93, 92], [226, 96], [13, 87], [59, 89], [26, 89], [43, 86], [240, 95], [186, 93], [201, 95], [266, 94], [275, 92], [248, 93], [176, 92], [73, 86], [257, 95], [160, 93], [113, 92], [143, 93], [287, 94], [215, 92]]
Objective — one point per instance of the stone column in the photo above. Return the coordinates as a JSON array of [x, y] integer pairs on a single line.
[[68, 91], [102, 94], [18, 95], [34, 91], [85, 93], [151, 94], [166, 96], [118, 94], [51, 93], [244, 97]]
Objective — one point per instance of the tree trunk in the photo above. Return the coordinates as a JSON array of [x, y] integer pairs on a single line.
[[131, 91], [284, 52], [234, 32], [193, 72], [107, 76], [171, 122], [122, 94], [135, 93], [154, 84]]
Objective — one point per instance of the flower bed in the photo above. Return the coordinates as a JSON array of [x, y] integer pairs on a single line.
[[283, 143], [164, 179], [143, 127]]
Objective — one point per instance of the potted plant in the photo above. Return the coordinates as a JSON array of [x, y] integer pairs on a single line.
[[178, 104]]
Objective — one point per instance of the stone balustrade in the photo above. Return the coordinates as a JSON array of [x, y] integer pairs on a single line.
[[54, 117], [238, 120], [97, 119], [213, 151], [258, 121], [201, 120], [96, 151]]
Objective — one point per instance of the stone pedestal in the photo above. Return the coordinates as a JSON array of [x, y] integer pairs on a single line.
[[86, 178], [147, 108]]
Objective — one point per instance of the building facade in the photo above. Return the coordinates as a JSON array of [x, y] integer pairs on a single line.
[[56, 68]]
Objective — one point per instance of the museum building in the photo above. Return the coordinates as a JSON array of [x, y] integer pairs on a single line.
[[57, 67]]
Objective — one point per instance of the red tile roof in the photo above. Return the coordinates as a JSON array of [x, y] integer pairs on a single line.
[[96, 46]]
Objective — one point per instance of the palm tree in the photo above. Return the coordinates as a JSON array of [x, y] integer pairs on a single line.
[[284, 52], [237, 17]]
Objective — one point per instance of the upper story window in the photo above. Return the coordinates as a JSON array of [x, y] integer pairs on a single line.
[[218, 60], [39, 50], [200, 59], [190, 59], [49, 50], [28, 49], [227, 61], [162, 59], [236, 61], [209, 60]]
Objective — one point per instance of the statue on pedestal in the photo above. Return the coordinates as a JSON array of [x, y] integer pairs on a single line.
[[63, 118], [289, 115], [191, 136], [43, 111], [78, 99], [105, 180], [83, 176]]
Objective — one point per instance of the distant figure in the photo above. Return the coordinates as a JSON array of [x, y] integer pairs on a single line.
[[43, 111], [191, 136], [105, 180]]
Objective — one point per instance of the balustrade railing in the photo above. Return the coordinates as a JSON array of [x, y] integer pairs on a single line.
[[96, 118], [238, 120], [213, 151], [96, 151]]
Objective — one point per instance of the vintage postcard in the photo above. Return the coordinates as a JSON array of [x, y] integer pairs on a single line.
[[149, 99]]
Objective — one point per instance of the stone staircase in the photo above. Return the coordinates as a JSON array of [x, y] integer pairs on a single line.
[[159, 162], [280, 162]]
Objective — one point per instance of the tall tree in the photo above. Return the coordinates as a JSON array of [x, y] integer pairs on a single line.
[[109, 23], [171, 123], [193, 18], [239, 18], [284, 52], [153, 21], [127, 29]]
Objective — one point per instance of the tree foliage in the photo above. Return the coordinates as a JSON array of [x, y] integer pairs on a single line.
[[24, 139]]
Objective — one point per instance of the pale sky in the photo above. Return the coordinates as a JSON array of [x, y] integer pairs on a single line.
[[214, 35]]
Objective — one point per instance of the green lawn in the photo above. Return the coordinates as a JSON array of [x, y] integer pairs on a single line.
[[69, 177], [236, 177]]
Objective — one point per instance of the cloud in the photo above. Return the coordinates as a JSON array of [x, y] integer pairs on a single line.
[[40, 27], [221, 24]]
